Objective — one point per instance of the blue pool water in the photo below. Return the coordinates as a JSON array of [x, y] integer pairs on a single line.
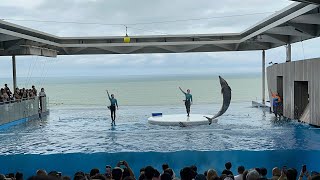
[[80, 138]]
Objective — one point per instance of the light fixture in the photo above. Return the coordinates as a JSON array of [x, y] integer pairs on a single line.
[[126, 39]]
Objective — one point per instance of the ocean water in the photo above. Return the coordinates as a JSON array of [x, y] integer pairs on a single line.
[[147, 91], [77, 134]]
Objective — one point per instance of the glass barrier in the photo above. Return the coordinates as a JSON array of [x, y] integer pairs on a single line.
[[22, 108]]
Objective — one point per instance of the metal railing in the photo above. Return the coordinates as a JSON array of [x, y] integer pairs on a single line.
[[19, 109]]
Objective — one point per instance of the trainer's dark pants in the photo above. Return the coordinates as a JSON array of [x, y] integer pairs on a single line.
[[187, 104], [275, 110], [113, 113]]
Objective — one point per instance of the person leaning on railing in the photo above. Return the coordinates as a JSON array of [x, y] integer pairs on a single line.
[[16, 95], [34, 90], [4, 96], [7, 90]]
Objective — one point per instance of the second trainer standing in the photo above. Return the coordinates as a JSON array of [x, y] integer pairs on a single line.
[[188, 100]]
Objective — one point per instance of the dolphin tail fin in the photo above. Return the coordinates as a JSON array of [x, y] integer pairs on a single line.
[[209, 119]]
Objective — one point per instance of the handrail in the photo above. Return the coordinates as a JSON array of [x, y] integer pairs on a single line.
[[18, 100]]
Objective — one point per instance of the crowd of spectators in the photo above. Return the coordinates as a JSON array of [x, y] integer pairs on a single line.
[[122, 171], [6, 95]]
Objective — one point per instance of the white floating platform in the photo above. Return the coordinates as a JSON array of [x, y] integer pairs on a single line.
[[179, 120]]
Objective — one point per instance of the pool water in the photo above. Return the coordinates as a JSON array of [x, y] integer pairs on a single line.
[[80, 138]]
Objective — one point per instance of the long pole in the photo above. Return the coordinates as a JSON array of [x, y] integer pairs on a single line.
[[263, 77], [14, 73]]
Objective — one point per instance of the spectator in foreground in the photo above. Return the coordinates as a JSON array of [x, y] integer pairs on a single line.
[[99, 176], [292, 174], [212, 174], [66, 178], [19, 176], [94, 172], [165, 176], [79, 176], [314, 175], [195, 169], [253, 175], [200, 177], [54, 174], [240, 173], [142, 176], [263, 173], [41, 172], [142, 171], [276, 173], [227, 171], [164, 167], [244, 175], [187, 174], [171, 172], [117, 173], [156, 175], [149, 172], [127, 171]]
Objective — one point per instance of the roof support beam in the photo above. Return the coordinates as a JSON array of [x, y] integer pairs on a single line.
[[281, 21], [227, 47], [121, 50], [309, 29], [273, 38], [23, 36], [263, 45], [288, 30], [179, 49], [4, 37], [237, 47], [307, 19], [308, 1]]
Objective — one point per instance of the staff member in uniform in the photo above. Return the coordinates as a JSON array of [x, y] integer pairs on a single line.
[[112, 107], [188, 100]]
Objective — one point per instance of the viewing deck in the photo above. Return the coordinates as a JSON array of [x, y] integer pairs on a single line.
[[14, 112]]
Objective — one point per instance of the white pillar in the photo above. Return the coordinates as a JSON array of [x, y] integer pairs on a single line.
[[288, 53], [263, 77], [14, 73]]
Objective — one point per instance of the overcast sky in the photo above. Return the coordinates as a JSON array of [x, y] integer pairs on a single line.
[[140, 11]]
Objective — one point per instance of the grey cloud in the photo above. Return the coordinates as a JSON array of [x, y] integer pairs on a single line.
[[127, 12]]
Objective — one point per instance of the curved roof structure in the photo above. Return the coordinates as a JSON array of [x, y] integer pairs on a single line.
[[297, 22]]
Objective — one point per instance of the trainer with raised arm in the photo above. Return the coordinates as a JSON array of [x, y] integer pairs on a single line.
[[188, 100], [112, 107]]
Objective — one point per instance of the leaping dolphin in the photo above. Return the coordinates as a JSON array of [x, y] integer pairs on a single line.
[[226, 92]]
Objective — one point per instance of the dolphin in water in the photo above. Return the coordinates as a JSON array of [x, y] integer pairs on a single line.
[[226, 92]]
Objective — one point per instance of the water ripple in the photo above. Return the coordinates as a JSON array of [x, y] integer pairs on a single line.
[[79, 130]]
